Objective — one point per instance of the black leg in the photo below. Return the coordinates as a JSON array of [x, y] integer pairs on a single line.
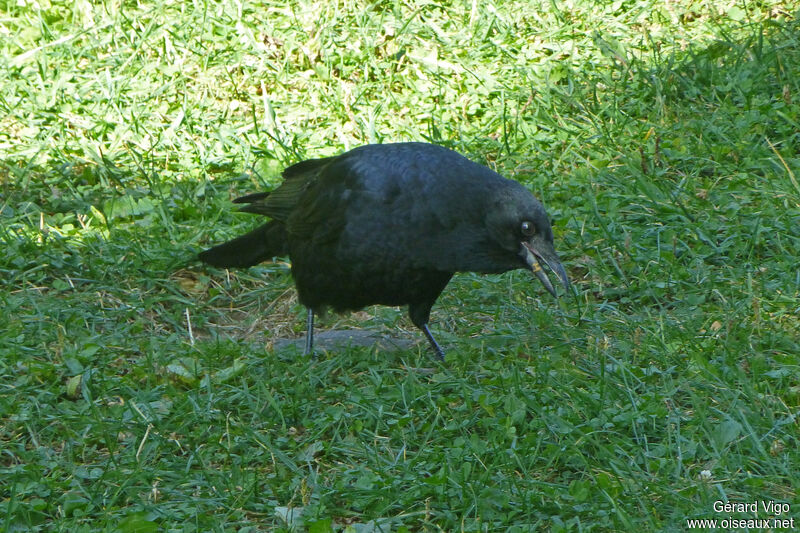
[[309, 333], [434, 344], [420, 313]]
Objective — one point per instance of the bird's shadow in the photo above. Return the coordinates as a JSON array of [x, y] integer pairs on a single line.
[[338, 340]]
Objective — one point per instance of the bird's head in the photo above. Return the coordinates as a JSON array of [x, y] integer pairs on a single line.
[[519, 224]]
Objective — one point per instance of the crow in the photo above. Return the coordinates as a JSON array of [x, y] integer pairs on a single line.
[[390, 224]]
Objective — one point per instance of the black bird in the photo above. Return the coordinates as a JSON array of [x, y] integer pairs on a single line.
[[390, 224]]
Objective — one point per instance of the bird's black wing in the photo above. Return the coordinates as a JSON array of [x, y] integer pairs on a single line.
[[321, 207], [279, 203]]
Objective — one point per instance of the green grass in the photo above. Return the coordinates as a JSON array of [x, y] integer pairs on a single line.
[[663, 138]]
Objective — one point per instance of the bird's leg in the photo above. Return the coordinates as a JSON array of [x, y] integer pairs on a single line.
[[309, 333], [434, 344], [420, 313]]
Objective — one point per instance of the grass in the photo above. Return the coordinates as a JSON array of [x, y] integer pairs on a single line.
[[663, 138]]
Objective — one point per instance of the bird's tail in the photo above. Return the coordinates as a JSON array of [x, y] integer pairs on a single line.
[[261, 244]]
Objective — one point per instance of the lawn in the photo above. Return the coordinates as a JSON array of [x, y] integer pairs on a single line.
[[141, 391]]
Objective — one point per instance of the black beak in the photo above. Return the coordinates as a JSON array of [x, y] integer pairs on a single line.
[[534, 259]]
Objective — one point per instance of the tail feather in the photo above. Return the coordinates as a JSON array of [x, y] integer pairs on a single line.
[[261, 244]]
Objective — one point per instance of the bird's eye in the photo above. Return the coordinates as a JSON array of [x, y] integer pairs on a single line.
[[527, 228]]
